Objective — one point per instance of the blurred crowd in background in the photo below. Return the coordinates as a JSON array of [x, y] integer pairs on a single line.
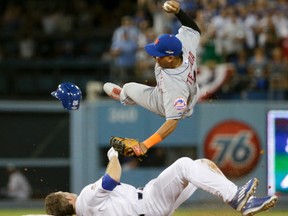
[[250, 35]]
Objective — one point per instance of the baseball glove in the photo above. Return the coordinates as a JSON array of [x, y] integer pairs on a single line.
[[127, 147]]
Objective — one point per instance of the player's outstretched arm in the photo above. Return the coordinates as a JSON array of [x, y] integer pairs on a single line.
[[113, 169], [173, 6], [132, 147], [165, 130]]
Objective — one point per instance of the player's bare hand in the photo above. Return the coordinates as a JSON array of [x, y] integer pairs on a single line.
[[172, 6]]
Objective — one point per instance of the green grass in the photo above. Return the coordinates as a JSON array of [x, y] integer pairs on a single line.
[[180, 212], [226, 212], [19, 212]]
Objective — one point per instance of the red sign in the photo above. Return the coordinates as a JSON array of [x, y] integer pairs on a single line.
[[234, 146]]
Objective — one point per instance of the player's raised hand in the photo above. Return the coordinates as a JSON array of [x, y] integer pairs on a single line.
[[172, 6], [112, 153]]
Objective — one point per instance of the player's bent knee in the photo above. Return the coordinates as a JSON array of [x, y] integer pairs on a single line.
[[183, 161], [210, 164], [128, 86], [124, 96]]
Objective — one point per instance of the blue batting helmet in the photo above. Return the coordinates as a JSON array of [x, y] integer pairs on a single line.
[[69, 94]]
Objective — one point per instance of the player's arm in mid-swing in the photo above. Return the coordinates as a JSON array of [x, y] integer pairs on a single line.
[[171, 124]]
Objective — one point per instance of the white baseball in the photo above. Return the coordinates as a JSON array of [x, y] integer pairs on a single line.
[[166, 6]]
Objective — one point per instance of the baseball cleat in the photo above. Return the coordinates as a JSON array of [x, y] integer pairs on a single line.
[[257, 204], [243, 194], [112, 90]]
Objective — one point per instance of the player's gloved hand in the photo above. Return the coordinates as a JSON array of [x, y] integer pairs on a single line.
[[112, 153], [128, 147]]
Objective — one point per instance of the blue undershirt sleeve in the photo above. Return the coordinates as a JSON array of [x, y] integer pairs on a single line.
[[108, 183], [187, 21]]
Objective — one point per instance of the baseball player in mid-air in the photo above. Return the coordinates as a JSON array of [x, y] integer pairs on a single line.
[[160, 196], [176, 92]]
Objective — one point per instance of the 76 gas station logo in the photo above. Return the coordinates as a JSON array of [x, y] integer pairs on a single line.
[[234, 146]]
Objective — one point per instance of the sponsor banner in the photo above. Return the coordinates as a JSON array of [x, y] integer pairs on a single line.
[[234, 146]]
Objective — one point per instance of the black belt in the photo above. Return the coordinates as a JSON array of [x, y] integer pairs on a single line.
[[140, 193], [140, 196]]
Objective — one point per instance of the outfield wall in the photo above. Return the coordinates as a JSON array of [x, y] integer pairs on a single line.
[[95, 122]]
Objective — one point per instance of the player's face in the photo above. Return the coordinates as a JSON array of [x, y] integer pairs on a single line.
[[164, 62]]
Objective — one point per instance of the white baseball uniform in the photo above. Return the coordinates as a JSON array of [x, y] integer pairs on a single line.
[[176, 92], [160, 197]]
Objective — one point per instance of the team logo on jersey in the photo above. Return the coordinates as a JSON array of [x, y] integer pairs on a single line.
[[180, 104]]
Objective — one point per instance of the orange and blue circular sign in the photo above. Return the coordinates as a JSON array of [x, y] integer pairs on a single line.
[[234, 146]]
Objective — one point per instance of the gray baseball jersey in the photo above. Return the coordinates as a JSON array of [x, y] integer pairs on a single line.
[[176, 92], [160, 197]]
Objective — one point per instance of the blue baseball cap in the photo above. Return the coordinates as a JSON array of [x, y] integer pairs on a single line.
[[165, 45], [69, 94]]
